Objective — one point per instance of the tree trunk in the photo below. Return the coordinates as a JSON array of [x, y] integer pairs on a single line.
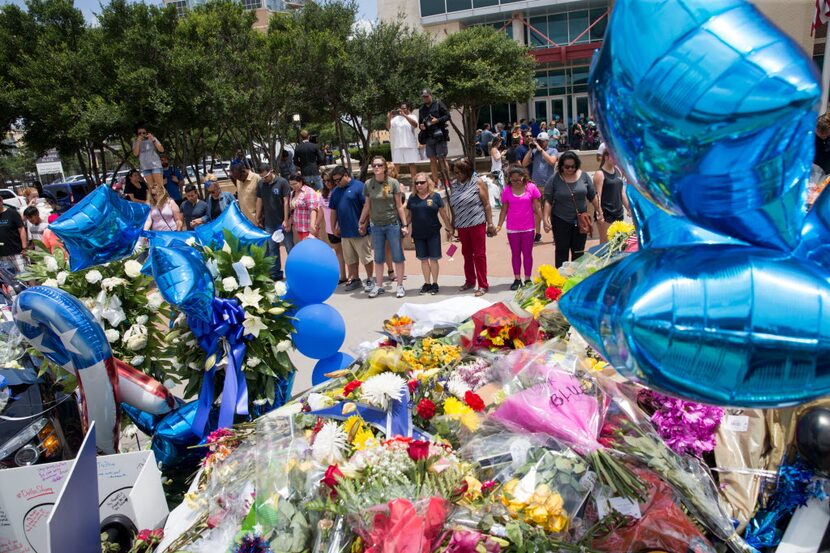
[[344, 148]]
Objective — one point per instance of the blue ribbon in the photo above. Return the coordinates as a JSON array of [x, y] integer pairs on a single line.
[[226, 323], [397, 421]]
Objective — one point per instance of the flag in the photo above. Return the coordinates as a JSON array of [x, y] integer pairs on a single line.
[[822, 14]]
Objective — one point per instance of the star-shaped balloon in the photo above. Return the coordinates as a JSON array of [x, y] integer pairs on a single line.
[[711, 116], [183, 278], [211, 234], [102, 227]]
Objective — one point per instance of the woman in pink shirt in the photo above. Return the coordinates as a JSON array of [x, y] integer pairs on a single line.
[[305, 208], [521, 206]]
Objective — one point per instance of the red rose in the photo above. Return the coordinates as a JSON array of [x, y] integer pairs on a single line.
[[487, 486], [553, 293], [426, 409], [351, 387], [418, 449], [331, 478], [474, 401], [413, 385]]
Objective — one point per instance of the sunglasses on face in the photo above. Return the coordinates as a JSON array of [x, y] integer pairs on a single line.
[[569, 167], [417, 182], [378, 165]]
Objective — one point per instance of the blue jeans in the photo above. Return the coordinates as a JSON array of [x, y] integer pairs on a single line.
[[314, 181], [273, 249], [391, 234]]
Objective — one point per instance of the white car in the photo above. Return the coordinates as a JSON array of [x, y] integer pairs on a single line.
[[9, 197]]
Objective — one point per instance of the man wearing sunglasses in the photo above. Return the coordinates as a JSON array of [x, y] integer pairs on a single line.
[[346, 203]]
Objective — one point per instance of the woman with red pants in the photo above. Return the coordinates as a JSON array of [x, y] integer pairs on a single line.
[[473, 219]]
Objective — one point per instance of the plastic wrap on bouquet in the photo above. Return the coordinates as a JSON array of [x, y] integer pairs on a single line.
[[500, 327], [402, 526]]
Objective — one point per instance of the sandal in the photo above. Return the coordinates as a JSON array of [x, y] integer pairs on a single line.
[[466, 287], [480, 292]]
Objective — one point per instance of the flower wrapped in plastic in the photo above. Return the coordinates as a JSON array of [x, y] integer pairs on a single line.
[[499, 327], [402, 525], [545, 397]]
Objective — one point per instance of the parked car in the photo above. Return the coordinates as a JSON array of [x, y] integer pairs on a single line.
[[11, 199], [65, 194]]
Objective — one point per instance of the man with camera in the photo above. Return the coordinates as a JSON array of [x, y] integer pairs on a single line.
[[541, 158], [432, 120], [402, 127]]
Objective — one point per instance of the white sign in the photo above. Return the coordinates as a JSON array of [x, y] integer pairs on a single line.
[[128, 484], [49, 168]]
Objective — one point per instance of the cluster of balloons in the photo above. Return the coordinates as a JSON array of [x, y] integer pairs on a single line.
[[711, 117], [311, 275]]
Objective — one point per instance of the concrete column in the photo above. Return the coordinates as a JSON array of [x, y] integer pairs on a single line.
[[518, 27]]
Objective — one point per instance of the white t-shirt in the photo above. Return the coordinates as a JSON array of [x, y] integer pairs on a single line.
[[402, 133]]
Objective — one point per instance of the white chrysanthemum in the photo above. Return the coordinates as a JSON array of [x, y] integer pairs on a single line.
[[154, 301], [93, 276], [329, 444], [61, 278], [280, 288], [132, 268], [253, 361], [284, 345], [247, 262], [112, 335], [51, 263], [380, 389], [137, 360], [229, 284], [457, 386], [50, 282]]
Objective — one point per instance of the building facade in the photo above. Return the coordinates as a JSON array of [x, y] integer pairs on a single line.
[[263, 8], [562, 36]]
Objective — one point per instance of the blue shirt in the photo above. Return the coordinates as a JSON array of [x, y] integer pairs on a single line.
[[172, 188], [348, 202], [540, 169]]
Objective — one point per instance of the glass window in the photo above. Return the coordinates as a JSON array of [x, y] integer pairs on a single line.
[[501, 114], [483, 3], [580, 79], [598, 30], [458, 5], [578, 22], [252, 4], [557, 81], [536, 35], [432, 7], [558, 28], [540, 110]]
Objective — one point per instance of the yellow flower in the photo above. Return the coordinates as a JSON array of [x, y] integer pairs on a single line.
[[535, 307], [360, 435], [473, 488], [456, 410], [620, 227], [551, 276], [538, 514], [557, 523]]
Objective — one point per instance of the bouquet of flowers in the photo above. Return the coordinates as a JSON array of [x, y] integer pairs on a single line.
[[499, 328], [117, 295]]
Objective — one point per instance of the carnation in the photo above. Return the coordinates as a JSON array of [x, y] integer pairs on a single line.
[[685, 426], [51, 263], [474, 401], [426, 409], [247, 262], [380, 389], [229, 284], [61, 278], [93, 276], [112, 335], [280, 288], [132, 268]]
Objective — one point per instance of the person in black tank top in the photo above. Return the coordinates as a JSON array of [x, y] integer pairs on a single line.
[[610, 186]]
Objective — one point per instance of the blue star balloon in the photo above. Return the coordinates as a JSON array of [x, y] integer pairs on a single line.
[[710, 113], [102, 227], [165, 237], [211, 234], [183, 279]]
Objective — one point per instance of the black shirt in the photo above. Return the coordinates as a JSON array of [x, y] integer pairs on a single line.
[[215, 208], [439, 111], [612, 191], [139, 193], [424, 212], [308, 157], [822, 158], [10, 225], [273, 195]]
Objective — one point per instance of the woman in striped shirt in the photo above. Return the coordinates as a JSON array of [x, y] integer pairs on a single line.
[[473, 219]]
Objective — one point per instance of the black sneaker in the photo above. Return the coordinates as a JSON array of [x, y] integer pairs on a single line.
[[352, 285], [537, 238], [528, 282], [425, 289], [516, 285], [435, 289]]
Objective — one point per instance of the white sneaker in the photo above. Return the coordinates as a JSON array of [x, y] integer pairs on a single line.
[[376, 291], [400, 293], [368, 284]]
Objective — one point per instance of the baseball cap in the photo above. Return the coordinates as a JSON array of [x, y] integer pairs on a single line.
[[426, 92], [542, 136]]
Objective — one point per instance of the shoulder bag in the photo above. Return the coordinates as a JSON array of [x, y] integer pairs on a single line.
[[583, 220]]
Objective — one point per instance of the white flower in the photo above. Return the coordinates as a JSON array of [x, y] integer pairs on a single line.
[[132, 268], [288, 410], [50, 282], [457, 386], [137, 360], [253, 325], [88, 302], [136, 337], [226, 248], [329, 444], [284, 345], [142, 319], [190, 241], [51, 263], [229, 284], [112, 335], [317, 401], [247, 262], [380, 389], [112, 283], [154, 301], [253, 361], [280, 288], [93, 276], [249, 297], [130, 431], [61, 278]]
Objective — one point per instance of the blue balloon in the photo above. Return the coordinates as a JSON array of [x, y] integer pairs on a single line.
[[183, 279], [319, 331], [710, 114], [311, 272], [211, 234], [102, 227], [730, 325], [172, 437], [336, 362], [815, 235], [166, 237]]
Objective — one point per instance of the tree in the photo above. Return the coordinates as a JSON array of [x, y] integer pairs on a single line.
[[479, 66]]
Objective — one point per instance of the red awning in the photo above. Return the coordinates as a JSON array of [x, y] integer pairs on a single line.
[[563, 54]]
